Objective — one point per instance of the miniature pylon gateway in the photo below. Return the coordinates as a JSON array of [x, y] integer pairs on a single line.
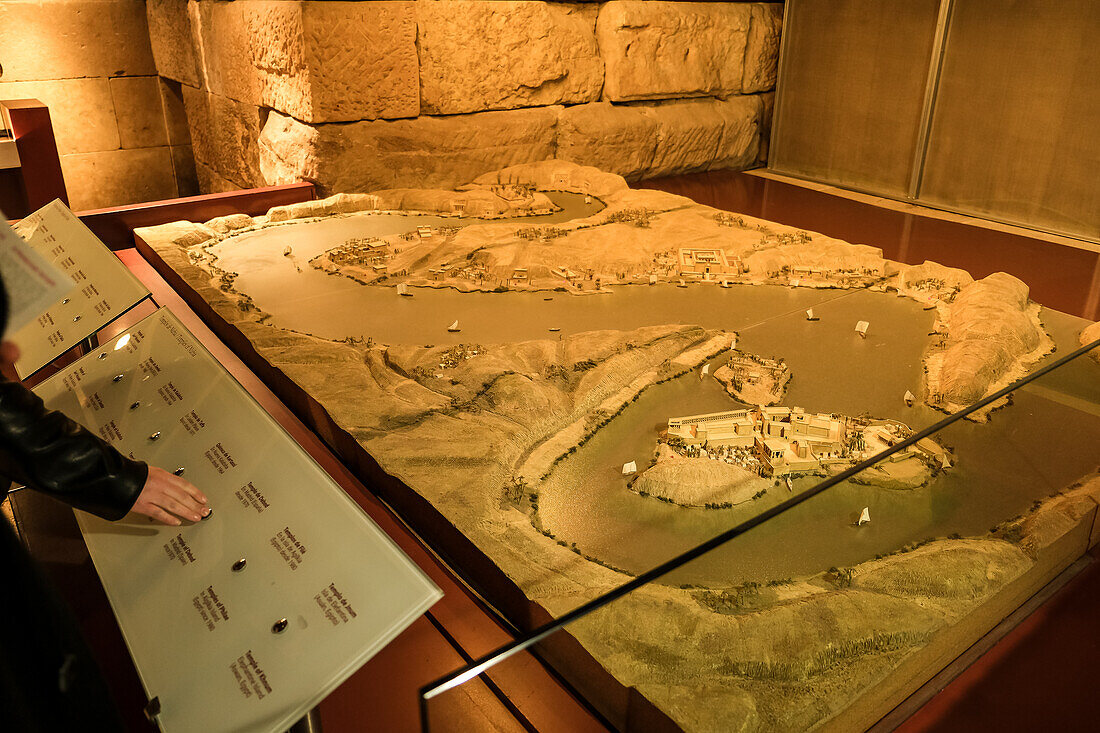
[[736, 642]]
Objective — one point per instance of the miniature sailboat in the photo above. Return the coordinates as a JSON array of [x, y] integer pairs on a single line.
[[681, 284], [704, 371], [630, 467], [861, 328], [652, 279], [910, 398], [864, 517], [588, 198], [287, 251], [945, 461], [810, 315], [403, 289], [453, 328], [725, 283]]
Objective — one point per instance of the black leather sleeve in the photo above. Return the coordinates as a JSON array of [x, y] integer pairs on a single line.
[[47, 451]]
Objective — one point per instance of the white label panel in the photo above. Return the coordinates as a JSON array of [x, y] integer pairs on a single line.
[[104, 288], [200, 632]]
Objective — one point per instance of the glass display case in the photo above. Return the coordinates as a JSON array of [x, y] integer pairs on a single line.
[[563, 384]]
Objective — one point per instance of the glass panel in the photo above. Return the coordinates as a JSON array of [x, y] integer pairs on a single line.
[[281, 593], [840, 607], [851, 90], [1014, 130]]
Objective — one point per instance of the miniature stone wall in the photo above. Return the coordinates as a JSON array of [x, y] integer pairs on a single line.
[[120, 129], [432, 93]]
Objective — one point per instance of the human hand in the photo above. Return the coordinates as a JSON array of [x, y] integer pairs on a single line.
[[167, 497]]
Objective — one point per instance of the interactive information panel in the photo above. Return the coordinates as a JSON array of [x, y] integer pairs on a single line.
[[104, 287], [247, 619]]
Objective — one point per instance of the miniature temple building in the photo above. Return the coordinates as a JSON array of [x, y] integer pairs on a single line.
[[701, 262]]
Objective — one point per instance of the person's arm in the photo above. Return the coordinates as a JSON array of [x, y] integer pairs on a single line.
[[47, 451]]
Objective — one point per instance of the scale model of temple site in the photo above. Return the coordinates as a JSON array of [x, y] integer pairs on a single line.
[[532, 414]]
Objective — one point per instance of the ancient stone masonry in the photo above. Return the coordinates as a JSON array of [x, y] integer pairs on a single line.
[[365, 95], [121, 131]]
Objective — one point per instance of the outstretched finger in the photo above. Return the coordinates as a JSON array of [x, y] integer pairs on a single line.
[[156, 513], [186, 510], [189, 488]]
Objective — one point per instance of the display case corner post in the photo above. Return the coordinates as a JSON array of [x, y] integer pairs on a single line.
[[309, 723], [40, 164]]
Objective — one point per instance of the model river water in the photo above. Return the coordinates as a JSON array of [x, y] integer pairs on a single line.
[[1045, 440]]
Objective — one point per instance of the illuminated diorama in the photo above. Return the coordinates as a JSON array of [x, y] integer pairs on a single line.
[[583, 380]]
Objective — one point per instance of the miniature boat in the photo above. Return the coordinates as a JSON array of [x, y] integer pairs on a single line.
[[861, 328], [864, 517], [945, 461], [652, 279], [588, 198], [725, 283], [704, 371], [630, 467], [681, 284], [553, 330], [453, 328], [547, 298], [810, 315], [403, 289], [910, 398], [287, 251], [790, 486]]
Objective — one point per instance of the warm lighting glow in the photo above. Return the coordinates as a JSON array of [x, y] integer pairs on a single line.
[[122, 342]]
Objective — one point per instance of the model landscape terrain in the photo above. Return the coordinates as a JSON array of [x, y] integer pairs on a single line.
[[519, 438]]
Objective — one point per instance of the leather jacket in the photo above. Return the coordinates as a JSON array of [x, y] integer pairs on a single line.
[[47, 451]]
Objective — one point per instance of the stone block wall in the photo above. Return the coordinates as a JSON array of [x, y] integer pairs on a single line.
[[121, 128], [431, 93]]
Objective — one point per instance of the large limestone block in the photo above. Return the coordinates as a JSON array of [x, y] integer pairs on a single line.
[[175, 114], [614, 139], [224, 136], [477, 55], [118, 177], [81, 111], [705, 135], [661, 50], [183, 163], [139, 111], [767, 111], [68, 39], [174, 40], [316, 61], [210, 182], [762, 48], [644, 141], [426, 152]]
